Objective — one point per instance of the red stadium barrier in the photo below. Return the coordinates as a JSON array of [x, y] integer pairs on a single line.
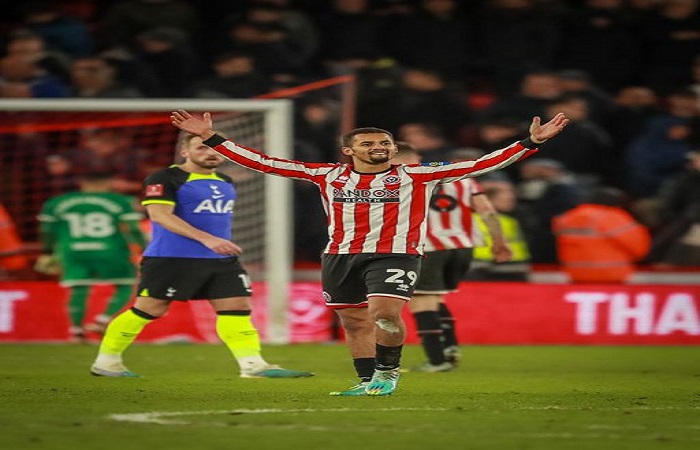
[[488, 313]]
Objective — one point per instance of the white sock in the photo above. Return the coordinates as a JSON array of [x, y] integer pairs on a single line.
[[251, 364], [102, 319], [104, 359]]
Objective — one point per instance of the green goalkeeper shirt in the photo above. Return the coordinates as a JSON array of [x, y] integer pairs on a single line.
[[95, 222]]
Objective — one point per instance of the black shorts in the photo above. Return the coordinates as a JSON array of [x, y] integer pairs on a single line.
[[193, 278], [442, 270], [349, 279]]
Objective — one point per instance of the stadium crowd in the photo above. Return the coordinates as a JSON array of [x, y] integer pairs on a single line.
[[442, 75]]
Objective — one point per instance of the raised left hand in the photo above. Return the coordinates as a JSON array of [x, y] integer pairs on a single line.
[[540, 133]]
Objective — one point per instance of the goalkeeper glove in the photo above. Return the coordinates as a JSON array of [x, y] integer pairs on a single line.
[[48, 265]]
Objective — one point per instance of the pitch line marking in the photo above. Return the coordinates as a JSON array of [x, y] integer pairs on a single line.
[[161, 417], [158, 417]]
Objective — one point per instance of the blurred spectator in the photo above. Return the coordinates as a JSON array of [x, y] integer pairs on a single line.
[[484, 268], [169, 54], [677, 243], [22, 77], [125, 20], [270, 45], [547, 189], [537, 90], [32, 47], [109, 150], [61, 32], [318, 124], [695, 75], [60, 176], [598, 241], [670, 38], [94, 77], [660, 151], [132, 71], [585, 147], [425, 97], [379, 86], [298, 28], [350, 36], [493, 134], [578, 83], [429, 140], [517, 37], [393, 7], [434, 36], [496, 133], [634, 106], [600, 41], [235, 76]]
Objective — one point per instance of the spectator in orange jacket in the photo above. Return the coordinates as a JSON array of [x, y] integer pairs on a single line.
[[598, 241]]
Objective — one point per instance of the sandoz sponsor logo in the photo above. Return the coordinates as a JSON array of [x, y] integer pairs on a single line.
[[365, 195]]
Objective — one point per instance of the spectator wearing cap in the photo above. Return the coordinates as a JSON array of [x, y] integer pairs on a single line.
[[546, 190], [598, 241]]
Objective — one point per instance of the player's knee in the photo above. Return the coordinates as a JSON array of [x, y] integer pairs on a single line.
[[357, 324], [390, 325]]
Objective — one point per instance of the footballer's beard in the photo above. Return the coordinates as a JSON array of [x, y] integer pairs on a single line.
[[378, 158], [208, 163]]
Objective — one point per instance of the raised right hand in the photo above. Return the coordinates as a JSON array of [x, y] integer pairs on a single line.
[[187, 122]]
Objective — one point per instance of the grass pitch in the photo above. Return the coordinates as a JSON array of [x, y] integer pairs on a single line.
[[189, 397]]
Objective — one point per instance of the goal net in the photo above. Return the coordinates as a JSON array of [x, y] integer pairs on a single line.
[[47, 144]]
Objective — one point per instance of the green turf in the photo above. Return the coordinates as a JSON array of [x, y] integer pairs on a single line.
[[519, 397]]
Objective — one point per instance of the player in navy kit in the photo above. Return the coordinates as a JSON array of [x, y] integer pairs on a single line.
[[191, 256]]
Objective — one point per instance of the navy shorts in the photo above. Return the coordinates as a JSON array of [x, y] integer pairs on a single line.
[[348, 280], [193, 278]]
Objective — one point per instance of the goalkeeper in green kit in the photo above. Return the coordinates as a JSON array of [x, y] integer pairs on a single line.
[[88, 238]]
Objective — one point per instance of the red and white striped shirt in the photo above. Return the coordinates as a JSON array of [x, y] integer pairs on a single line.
[[373, 212], [450, 222]]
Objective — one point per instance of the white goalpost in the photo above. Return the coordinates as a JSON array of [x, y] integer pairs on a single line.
[[263, 214]]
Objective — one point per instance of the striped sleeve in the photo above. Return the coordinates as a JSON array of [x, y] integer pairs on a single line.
[[449, 172], [260, 162]]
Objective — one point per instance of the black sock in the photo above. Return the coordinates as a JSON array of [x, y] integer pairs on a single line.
[[364, 368], [430, 332], [447, 322], [388, 357]]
